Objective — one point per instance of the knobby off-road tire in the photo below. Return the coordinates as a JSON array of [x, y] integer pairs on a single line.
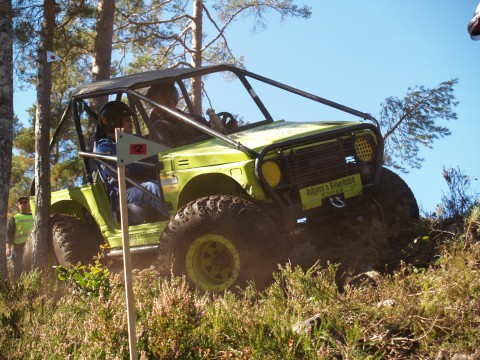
[[71, 241], [392, 194], [220, 242]]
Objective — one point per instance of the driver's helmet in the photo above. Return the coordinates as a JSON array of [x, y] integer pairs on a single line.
[[111, 115]]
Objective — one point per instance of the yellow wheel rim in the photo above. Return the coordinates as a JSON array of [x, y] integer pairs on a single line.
[[213, 262]]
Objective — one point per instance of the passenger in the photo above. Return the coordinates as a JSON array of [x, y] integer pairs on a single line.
[[112, 115], [170, 129]]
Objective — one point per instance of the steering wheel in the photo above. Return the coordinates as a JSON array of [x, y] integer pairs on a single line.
[[227, 119]]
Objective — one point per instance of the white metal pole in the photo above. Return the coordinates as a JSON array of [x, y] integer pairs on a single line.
[[127, 263]]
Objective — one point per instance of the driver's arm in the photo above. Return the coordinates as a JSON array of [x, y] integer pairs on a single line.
[[215, 122]]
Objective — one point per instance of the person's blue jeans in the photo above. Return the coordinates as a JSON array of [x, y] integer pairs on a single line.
[[137, 197]]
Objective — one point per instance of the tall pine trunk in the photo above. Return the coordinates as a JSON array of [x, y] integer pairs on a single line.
[[42, 139], [6, 121], [102, 53], [197, 37]]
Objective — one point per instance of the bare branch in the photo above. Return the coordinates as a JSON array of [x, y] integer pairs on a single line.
[[220, 32], [178, 39]]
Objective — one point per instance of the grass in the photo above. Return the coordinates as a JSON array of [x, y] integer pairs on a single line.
[[419, 310]]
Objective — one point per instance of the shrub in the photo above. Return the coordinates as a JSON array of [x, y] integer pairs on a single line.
[[460, 199]]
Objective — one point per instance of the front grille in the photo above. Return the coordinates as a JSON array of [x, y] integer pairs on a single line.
[[320, 163], [312, 161]]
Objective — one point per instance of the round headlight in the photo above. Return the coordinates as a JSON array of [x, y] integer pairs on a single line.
[[271, 173], [364, 149]]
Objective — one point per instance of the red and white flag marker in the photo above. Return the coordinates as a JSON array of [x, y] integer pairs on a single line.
[[52, 57]]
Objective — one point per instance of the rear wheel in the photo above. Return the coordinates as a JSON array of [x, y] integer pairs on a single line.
[[71, 241], [220, 242], [74, 241]]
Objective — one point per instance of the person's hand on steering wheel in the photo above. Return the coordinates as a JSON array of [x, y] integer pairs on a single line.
[[228, 120], [222, 121]]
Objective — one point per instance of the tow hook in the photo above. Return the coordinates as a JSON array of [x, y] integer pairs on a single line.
[[336, 201]]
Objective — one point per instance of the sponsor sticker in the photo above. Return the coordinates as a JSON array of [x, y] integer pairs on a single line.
[[145, 238], [349, 186]]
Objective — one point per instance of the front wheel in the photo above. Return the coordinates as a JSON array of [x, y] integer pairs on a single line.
[[392, 195], [220, 242]]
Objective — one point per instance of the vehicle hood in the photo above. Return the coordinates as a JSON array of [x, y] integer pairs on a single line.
[[216, 151], [258, 138]]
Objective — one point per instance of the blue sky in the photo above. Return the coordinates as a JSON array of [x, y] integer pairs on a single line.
[[360, 52]]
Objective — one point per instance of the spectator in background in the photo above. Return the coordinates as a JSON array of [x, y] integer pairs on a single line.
[[17, 234]]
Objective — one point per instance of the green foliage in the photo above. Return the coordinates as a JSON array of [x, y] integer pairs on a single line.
[[412, 122], [73, 39], [85, 281], [66, 166]]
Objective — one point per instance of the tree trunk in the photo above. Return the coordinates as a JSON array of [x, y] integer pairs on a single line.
[[6, 122], [102, 53], [197, 36], [42, 139]]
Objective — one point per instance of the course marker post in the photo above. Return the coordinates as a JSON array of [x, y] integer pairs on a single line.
[[127, 262], [130, 148]]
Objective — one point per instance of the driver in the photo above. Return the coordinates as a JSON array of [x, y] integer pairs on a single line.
[[170, 129], [112, 115]]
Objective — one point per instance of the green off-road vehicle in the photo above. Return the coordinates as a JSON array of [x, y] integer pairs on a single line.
[[234, 194]]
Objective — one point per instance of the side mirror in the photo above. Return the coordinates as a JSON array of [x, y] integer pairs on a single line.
[[474, 25]]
